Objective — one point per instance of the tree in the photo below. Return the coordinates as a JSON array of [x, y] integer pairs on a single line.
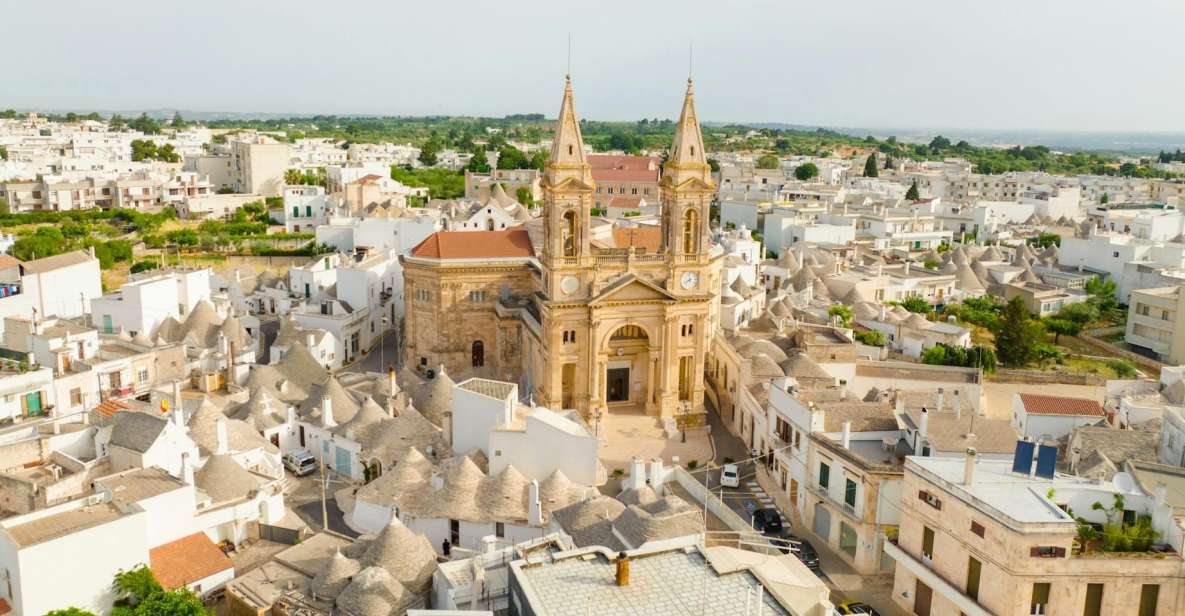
[[1082, 313], [714, 165], [143, 149], [70, 611], [1017, 334], [1105, 200], [427, 155], [3, 153], [1122, 367], [145, 124], [870, 337], [180, 602], [524, 196], [768, 161], [916, 304], [478, 163], [178, 121], [135, 585], [870, 170], [292, 177], [5, 208], [939, 143], [806, 171], [843, 312], [889, 164], [1062, 326], [912, 193], [1045, 240], [1102, 295]]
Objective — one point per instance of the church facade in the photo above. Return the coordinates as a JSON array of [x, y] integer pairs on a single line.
[[582, 314]]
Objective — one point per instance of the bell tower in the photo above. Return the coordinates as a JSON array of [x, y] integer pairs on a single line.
[[686, 189], [567, 191]]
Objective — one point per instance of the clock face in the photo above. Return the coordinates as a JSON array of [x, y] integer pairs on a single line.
[[689, 280], [569, 285]]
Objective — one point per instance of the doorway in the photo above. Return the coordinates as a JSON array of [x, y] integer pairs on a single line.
[[922, 597], [617, 382], [479, 354]]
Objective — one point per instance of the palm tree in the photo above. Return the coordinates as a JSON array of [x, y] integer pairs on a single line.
[[292, 177]]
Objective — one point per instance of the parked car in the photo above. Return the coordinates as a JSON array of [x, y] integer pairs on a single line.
[[806, 553], [769, 522], [730, 476], [851, 606], [300, 463]]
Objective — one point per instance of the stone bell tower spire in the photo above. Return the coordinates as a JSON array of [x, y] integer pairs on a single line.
[[567, 189], [686, 186]]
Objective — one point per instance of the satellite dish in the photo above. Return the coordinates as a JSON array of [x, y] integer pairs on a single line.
[[1123, 482]]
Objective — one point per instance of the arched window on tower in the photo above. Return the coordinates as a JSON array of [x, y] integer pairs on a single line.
[[690, 231], [569, 233]]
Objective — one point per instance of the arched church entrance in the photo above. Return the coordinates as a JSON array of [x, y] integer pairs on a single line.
[[627, 369]]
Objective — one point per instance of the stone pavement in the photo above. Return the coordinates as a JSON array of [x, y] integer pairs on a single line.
[[625, 434]]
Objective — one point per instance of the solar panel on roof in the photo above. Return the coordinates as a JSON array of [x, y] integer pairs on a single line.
[[1046, 459], [1022, 458]]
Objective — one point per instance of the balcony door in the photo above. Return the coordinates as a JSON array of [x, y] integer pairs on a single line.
[[922, 597]]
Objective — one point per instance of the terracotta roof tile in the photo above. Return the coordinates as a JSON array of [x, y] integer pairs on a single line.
[[187, 560], [1038, 404], [5, 608], [108, 408], [648, 238], [513, 242], [624, 175], [626, 202], [618, 161]]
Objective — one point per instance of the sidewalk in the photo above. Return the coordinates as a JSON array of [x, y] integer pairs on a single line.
[[845, 582]]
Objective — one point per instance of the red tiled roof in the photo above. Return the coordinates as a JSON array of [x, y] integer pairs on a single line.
[[624, 175], [5, 608], [187, 560], [7, 261], [513, 242], [626, 202], [617, 161], [1038, 404], [649, 238], [108, 408], [369, 179]]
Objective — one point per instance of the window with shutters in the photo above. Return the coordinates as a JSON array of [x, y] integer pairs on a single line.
[[1047, 551], [1094, 600], [977, 528], [1039, 604], [824, 475], [930, 499], [928, 543], [974, 568], [1149, 597]]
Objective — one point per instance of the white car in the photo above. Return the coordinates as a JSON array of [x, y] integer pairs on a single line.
[[300, 463], [730, 476]]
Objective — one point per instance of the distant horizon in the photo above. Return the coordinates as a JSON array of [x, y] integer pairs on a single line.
[[1071, 139], [1010, 65]]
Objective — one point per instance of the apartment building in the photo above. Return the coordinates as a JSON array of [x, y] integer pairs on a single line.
[[979, 539], [258, 166], [624, 176], [1154, 322]]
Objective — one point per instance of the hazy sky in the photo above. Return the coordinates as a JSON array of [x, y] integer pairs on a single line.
[[1008, 64]]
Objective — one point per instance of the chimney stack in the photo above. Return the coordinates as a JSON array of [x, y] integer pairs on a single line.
[[186, 469], [623, 569], [310, 341], [941, 399], [223, 440], [847, 435], [327, 420], [969, 467], [924, 428], [958, 406], [637, 473], [906, 268], [534, 508], [230, 365], [656, 475]]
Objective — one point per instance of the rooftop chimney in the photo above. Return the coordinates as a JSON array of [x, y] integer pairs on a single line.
[[534, 507], [623, 569], [186, 469], [941, 399], [292, 416], [906, 271], [969, 467], [924, 428], [310, 340], [230, 364], [958, 406], [656, 475], [327, 412], [223, 440], [847, 435], [637, 473]]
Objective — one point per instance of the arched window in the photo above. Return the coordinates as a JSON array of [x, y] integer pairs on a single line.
[[690, 231], [569, 233], [489, 224], [479, 354]]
